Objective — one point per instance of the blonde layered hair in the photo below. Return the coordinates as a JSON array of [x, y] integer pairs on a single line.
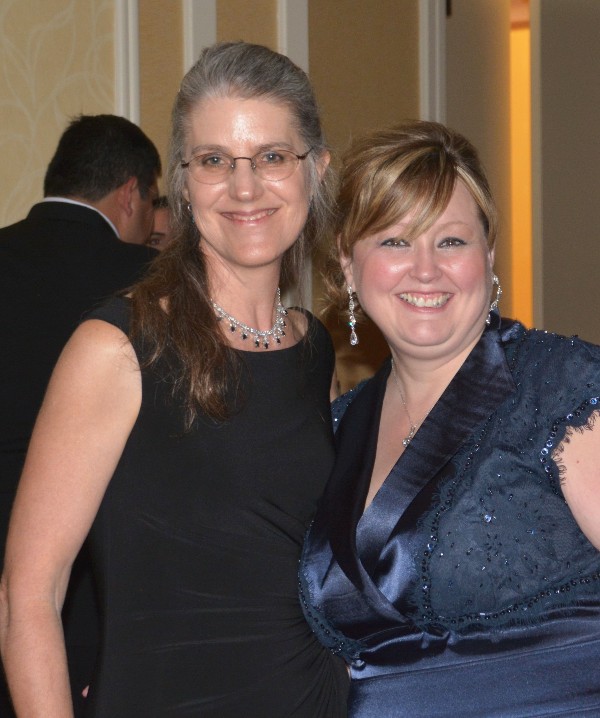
[[412, 168]]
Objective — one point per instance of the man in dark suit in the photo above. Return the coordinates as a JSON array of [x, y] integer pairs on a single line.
[[81, 244]]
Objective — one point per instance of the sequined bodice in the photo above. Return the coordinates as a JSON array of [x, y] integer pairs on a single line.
[[468, 553]]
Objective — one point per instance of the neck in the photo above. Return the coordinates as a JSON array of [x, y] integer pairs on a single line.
[[424, 380], [249, 297]]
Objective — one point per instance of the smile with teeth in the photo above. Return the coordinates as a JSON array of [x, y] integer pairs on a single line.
[[254, 217], [420, 301]]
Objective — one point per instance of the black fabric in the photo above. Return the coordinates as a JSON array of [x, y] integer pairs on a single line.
[[55, 265], [197, 543]]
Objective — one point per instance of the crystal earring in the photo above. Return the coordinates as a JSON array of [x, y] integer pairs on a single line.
[[352, 318], [494, 304]]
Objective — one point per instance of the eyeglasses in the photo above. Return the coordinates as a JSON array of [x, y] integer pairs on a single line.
[[274, 165]]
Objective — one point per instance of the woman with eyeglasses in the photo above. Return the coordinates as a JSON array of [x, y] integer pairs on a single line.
[[187, 425]]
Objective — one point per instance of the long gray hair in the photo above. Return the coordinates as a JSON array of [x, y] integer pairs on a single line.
[[202, 367]]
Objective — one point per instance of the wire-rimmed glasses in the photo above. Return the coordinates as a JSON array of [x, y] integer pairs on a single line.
[[273, 164]]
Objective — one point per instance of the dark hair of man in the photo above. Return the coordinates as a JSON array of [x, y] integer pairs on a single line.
[[98, 153], [161, 202], [172, 310]]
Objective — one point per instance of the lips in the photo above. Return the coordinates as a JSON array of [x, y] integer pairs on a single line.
[[255, 216], [429, 302]]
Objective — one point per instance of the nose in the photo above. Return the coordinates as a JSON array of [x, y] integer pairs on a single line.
[[244, 184], [425, 266]]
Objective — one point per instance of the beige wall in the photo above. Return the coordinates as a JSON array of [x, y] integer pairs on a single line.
[[254, 21], [364, 64], [161, 69], [478, 105], [56, 61], [566, 112], [365, 70]]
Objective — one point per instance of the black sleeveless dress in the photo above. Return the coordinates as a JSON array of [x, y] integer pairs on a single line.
[[197, 543]]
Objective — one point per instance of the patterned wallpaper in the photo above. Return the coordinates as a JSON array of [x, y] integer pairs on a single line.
[[56, 61]]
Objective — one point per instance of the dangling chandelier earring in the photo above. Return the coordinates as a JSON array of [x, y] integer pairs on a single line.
[[494, 304], [352, 318]]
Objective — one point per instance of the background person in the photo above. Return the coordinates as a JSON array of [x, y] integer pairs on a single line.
[[188, 426], [162, 230], [454, 559], [57, 263]]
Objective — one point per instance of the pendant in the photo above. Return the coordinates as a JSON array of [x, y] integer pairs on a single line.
[[409, 438]]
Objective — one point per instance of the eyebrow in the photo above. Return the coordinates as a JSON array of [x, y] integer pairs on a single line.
[[207, 149]]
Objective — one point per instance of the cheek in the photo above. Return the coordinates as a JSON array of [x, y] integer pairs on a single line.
[[473, 275], [300, 200], [372, 276], [202, 198]]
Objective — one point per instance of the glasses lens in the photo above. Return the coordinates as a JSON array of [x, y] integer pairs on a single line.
[[275, 164], [211, 168]]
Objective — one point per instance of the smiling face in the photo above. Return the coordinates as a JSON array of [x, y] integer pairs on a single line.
[[429, 295], [244, 221]]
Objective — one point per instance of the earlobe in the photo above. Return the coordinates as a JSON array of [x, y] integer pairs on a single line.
[[125, 195], [346, 265], [323, 163]]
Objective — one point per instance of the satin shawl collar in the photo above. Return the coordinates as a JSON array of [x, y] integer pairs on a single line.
[[481, 384]]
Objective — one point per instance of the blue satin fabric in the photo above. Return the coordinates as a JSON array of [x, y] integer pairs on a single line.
[[465, 588], [546, 670]]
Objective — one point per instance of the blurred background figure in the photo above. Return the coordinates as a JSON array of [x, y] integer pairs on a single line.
[[162, 231], [57, 263]]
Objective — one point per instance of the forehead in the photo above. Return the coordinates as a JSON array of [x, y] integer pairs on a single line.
[[461, 209], [161, 217], [231, 122]]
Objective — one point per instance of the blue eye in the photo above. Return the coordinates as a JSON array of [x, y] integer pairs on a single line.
[[215, 161], [270, 158]]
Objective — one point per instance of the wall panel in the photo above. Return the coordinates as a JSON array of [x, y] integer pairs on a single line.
[[161, 68], [566, 110], [254, 21], [56, 61], [364, 64]]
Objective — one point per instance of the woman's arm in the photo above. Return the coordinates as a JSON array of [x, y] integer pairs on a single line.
[[580, 478], [90, 407]]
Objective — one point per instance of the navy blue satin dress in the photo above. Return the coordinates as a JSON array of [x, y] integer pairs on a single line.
[[466, 588]]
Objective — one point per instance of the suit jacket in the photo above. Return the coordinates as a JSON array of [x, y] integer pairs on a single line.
[[55, 265]]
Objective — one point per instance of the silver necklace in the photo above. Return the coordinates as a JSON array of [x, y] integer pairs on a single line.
[[413, 428], [259, 337]]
